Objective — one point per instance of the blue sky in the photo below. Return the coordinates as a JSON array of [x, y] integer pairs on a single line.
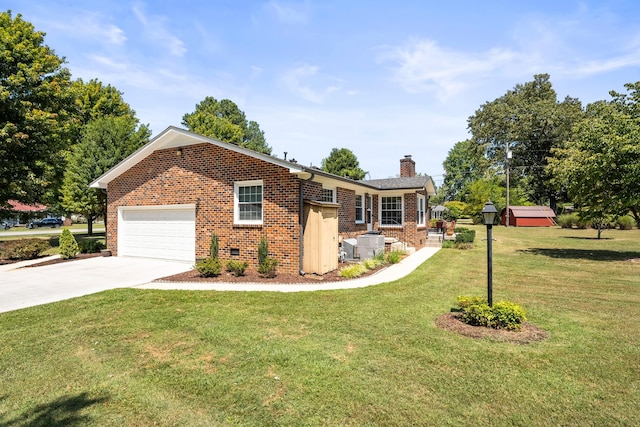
[[383, 79]]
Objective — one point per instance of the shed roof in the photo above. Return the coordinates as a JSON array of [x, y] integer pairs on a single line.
[[531, 212]]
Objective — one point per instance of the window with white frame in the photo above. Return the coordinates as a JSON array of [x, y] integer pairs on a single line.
[[328, 195], [391, 211], [359, 209], [421, 202], [248, 202]]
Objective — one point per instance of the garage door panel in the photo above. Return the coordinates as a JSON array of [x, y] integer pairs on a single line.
[[167, 233]]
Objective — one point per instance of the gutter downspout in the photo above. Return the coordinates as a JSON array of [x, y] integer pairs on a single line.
[[301, 220]]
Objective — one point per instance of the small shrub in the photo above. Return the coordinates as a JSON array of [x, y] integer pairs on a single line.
[[23, 249], [465, 235], [352, 271], [503, 314], [68, 245], [625, 222], [508, 315], [379, 256], [90, 246], [464, 301], [268, 267], [581, 223], [433, 222], [263, 250], [209, 267], [394, 257], [237, 267], [463, 245], [448, 244], [214, 246], [567, 220]]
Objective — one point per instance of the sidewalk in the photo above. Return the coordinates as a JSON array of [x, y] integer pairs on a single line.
[[389, 274]]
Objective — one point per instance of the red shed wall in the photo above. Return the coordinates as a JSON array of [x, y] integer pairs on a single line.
[[532, 222]]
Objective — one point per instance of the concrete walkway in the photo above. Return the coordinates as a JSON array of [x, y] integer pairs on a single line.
[[389, 274], [28, 287]]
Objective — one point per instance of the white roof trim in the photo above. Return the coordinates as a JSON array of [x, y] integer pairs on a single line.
[[173, 137]]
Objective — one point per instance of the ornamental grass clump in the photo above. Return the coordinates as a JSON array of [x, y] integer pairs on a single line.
[[354, 270], [68, 246], [502, 315]]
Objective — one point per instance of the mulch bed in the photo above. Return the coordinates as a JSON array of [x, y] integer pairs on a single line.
[[252, 276], [529, 333]]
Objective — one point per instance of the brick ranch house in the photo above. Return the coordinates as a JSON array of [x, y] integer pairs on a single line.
[[167, 199]]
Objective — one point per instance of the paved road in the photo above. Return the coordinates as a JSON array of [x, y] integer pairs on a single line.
[[26, 287], [48, 231]]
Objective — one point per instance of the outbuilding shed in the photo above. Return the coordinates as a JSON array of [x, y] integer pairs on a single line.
[[529, 216]]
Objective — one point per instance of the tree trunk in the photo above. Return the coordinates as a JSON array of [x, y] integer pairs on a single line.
[[599, 230], [90, 225]]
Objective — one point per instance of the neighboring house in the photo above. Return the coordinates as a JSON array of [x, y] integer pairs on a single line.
[[529, 216], [21, 213], [169, 197]]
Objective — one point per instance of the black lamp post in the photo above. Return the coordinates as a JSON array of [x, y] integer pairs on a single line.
[[488, 216]]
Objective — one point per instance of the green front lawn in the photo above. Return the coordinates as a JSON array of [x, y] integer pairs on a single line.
[[368, 356]]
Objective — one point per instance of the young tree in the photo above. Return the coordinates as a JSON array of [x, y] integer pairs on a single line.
[[530, 122], [34, 118], [223, 120], [105, 142], [600, 165], [343, 162]]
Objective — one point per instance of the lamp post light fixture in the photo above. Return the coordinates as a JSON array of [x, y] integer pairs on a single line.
[[488, 216]]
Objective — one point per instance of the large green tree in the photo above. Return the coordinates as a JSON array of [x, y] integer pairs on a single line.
[[599, 166], [93, 99], [343, 162], [36, 104], [529, 121], [223, 120], [105, 141], [465, 163]]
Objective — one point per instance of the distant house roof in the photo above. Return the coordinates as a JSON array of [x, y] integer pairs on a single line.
[[532, 212], [22, 207], [439, 208]]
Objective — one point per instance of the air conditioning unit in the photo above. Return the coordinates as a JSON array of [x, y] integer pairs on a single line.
[[370, 244], [350, 248]]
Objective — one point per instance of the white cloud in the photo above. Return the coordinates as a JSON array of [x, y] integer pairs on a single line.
[[424, 66], [90, 26], [290, 13], [299, 80], [156, 29]]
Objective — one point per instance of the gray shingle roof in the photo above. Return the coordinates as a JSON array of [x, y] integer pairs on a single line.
[[402, 183]]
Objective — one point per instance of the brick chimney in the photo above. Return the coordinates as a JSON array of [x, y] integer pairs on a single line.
[[407, 167]]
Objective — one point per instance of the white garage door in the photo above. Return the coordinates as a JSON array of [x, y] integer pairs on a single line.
[[167, 232]]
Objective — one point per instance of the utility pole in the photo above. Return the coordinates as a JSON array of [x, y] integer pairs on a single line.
[[508, 157]]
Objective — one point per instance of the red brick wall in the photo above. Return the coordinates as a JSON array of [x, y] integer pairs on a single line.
[[204, 175], [409, 233]]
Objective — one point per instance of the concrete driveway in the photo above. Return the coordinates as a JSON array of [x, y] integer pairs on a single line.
[[26, 287]]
